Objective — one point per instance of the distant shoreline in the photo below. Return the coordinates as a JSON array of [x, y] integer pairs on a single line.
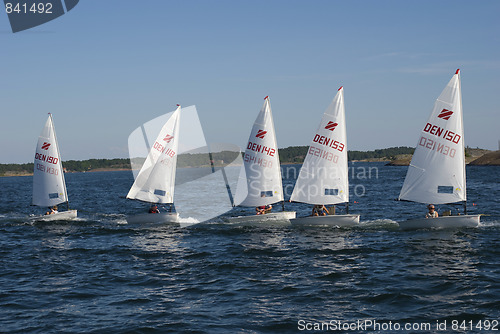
[[71, 172], [394, 156], [11, 174], [473, 157]]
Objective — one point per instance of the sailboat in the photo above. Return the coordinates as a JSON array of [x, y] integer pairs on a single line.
[[156, 180], [49, 187], [437, 170], [260, 183], [323, 178]]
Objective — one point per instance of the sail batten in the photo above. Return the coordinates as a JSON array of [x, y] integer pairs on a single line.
[[260, 182], [49, 186], [323, 178], [437, 170], [156, 179]]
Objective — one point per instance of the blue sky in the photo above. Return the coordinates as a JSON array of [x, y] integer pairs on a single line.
[[106, 67]]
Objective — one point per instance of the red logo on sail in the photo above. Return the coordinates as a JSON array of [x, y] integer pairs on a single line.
[[168, 138], [261, 134], [331, 126], [445, 114], [45, 146]]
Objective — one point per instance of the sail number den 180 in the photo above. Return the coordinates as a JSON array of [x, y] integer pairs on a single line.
[[47, 169], [46, 158]]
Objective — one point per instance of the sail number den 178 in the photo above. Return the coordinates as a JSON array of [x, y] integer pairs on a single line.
[[163, 150]]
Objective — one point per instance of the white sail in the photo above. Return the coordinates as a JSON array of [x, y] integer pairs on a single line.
[[49, 187], [437, 170], [260, 177], [156, 179], [323, 178]]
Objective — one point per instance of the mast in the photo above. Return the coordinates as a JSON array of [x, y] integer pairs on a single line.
[[279, 164], [156, 180], [463, 139], [436, 173], [260, 180], [323, 177], [60, 160]]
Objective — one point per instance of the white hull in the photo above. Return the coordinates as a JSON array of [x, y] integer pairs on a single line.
[[273, 218], [63, 215], [331, 220], [445, 222], [154, 218]]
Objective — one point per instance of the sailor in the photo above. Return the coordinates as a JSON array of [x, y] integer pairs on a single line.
[[319, 210], [432, 213], [153, 209], [52, 210], [263, 209], [260, 210]]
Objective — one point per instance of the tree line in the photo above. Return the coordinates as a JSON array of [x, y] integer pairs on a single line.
[[292, 154], [296, 154]]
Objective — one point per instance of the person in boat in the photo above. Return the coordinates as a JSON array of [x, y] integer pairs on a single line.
[[432, 212], [52, 210], [319, 210], [263, 209], [153, 209]]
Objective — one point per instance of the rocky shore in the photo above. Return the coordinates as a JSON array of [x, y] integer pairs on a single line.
[[488, 159], [474, 156]]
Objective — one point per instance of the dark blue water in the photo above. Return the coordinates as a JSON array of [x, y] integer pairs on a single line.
[[100, 275]]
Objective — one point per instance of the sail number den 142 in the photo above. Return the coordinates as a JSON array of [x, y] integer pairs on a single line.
[[250, 158]]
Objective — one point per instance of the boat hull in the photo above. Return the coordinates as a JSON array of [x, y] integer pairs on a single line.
[[63, 215], [154, 218], [446, 222], [330, 220], [273, 218]]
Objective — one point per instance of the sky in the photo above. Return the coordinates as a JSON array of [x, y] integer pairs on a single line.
[[106, 67]]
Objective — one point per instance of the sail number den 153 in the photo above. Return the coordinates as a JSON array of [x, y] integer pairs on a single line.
[[336, 145]]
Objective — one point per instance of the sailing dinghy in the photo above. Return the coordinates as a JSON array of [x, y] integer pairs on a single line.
[[323, 178], [49, 187], [156, 180], [260, 183], [437, 170]]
